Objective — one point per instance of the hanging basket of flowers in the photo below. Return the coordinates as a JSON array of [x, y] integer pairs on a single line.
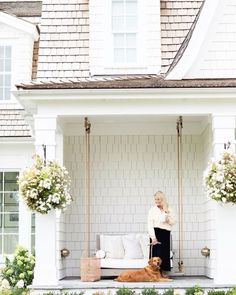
[[45, 186], [220, 178]]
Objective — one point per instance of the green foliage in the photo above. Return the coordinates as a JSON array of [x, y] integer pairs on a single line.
[[124, 291], [216, 292], [231, 292], [21, 268], [195, 290], [149, 291], [168, 292]]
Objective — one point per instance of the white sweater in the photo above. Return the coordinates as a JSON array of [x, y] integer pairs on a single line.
[[160, 219]]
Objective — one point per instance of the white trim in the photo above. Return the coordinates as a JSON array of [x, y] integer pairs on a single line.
[[196, 42], [125, 94], [19, 24]]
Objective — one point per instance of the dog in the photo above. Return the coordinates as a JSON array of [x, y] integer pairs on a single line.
[[150, 273]]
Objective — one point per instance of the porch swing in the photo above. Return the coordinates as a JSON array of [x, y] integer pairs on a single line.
[[90, 266]]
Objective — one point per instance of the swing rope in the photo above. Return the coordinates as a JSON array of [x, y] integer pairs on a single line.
[[87, 126], [179, 127]]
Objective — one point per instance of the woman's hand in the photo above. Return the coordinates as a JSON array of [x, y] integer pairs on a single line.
[[154, 241]]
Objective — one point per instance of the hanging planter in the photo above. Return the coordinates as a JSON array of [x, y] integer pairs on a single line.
[[45, 186], [220, 178]]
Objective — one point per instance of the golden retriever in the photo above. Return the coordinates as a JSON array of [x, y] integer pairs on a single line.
[[150, 273]]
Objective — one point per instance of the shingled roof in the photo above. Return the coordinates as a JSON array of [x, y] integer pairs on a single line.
[[12, 123], [178, 18]]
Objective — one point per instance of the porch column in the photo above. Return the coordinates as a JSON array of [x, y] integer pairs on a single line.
[[225, 268], [24, 225], [45, 272]]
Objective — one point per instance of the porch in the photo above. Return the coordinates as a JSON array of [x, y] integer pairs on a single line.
[[133, 154]]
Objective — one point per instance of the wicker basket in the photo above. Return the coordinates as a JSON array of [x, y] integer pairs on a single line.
[[90, 270]]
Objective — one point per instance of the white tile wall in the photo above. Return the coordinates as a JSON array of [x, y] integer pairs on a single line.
[[125, 173]]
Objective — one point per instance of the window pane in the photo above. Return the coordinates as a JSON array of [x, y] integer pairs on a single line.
[[8, 65], [131, 8], [8, 51], [1, 93], [11, 220], [11, 198], [117, 8], [131, 40], [131, 55], [11, 181], [131, 23], [118, 23], [1, 64], [8, 80], [1, 181], [119, 55], [119, 40], [10, 242], [7, 93], [1, 51]]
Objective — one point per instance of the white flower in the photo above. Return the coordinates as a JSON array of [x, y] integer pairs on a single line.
[[45, 187], [20, 284], [5, 284], [220, 178]]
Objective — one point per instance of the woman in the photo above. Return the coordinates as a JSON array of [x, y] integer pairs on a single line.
[[160, 221]]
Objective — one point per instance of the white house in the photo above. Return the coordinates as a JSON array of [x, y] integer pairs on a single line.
[[132, 67]]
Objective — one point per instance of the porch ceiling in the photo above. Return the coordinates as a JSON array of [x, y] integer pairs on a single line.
[[133, 124]]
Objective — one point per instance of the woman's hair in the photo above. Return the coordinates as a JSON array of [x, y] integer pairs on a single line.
[[162, 196]]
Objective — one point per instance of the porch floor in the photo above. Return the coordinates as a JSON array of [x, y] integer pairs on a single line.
[[177, 283]]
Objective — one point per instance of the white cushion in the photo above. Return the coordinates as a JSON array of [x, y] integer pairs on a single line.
[[112, 245], [132, 247], [123, 263], [144, 242]]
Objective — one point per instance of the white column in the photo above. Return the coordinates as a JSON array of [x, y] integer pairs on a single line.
[[225, 268], [24, 225], [45, 272]]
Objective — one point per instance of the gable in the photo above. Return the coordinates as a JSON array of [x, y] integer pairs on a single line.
[[212, 48], [9, 23]]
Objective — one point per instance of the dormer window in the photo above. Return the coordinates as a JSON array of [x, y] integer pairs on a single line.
[[5, 72], [124, 29]]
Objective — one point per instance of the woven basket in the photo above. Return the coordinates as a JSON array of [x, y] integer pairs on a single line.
[[90, 270]]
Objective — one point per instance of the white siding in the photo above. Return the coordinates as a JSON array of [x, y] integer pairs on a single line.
[[217, 55], [149, 58], [126, 171], [22, 52]]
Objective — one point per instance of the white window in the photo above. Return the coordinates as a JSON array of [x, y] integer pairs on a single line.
[[5, 72], [9, 212], [124, 31]]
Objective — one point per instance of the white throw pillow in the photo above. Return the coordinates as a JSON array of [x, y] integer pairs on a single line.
[[113, 246], [144, 242], [132, 247]]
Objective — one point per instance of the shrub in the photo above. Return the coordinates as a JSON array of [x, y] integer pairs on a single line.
[[149, 291], [124, 291], [195, 290], [20, 269], [216, 292], [168, 292]]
